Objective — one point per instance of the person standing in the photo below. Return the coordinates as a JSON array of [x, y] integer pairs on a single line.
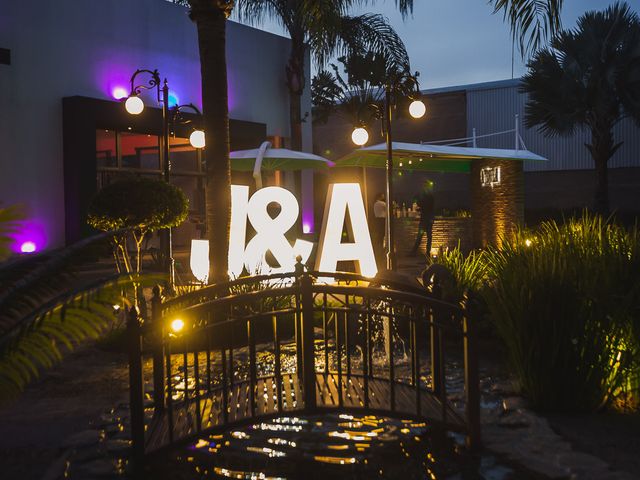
[[425, 203], [379, 226]]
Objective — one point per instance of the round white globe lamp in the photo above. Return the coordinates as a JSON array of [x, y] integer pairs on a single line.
[[360, 136], [134, 105], [196, 139], [417, 109]]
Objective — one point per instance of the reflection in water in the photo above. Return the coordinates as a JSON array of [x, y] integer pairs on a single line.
[[332, 447]]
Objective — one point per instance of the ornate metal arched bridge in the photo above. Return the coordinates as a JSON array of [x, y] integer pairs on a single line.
[[262, 347]]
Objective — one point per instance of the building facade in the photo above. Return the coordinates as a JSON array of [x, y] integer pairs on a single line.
[[565, 182], [63, 131]]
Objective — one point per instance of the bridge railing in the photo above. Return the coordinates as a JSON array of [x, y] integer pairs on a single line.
[[265, 346]]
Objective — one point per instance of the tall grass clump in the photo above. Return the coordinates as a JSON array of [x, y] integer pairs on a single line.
[[566, 302]]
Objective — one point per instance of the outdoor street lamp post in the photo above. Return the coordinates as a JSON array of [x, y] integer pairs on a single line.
[[134, 105], [417, 109]]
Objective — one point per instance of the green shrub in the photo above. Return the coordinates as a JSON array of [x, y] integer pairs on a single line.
[[566, 305], [565, 301]]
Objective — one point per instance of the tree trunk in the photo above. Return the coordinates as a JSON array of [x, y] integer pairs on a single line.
[[602, 149], [211, 17], [295, 84]]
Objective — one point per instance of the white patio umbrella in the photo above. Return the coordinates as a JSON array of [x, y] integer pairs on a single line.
[[267, 158]]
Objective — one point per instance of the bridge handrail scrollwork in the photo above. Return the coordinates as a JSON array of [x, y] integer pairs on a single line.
[[271, 345]]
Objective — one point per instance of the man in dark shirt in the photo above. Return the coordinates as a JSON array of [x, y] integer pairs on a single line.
[[425, 203]]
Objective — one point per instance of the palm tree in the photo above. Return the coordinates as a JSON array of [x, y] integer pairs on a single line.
[[590, 77], [326, 29], [210, 17]]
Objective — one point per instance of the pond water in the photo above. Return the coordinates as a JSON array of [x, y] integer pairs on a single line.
[[333, 446]]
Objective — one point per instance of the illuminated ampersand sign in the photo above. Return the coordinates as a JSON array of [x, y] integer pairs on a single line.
[[270, 231]]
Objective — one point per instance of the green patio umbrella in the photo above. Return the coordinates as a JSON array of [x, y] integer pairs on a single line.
[[429, 158], [267, 158]]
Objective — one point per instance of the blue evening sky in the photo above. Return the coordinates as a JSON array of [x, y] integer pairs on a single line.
[[456, 42]]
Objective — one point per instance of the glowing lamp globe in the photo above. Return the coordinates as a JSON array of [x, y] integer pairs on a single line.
[[360, 136], [134, 105], [417, 109], [196, 139], [177, 325], [28, 247]]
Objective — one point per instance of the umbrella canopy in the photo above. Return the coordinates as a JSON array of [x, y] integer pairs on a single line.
[[277, 159], [432, 158]]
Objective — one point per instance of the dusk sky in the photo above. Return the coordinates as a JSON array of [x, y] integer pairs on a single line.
[[456, 42]]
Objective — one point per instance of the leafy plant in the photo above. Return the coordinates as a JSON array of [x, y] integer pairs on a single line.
[[589, 78], [566, 303], [135, 207]]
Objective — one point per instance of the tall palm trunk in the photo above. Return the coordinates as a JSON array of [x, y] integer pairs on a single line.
[[211, 17], [602, 149], [295, 84]]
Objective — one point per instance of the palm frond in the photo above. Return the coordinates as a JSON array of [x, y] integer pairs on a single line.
[[533, 22], [39, 340], [29, 281]]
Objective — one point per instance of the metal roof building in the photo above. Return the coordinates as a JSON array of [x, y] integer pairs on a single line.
[[492, 107]]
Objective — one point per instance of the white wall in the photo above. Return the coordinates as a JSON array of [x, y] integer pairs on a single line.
[[88, 47]]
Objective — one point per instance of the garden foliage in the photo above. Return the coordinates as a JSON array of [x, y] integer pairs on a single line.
[[565, 300], [135, 207]]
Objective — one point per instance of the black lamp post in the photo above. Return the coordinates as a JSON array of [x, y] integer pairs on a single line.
[[134, 105], [395, 83]]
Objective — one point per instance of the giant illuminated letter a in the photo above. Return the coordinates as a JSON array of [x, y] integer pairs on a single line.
[[344, 202]]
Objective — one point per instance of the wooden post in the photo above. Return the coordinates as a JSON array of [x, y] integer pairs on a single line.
[[136, 394], [157, 339], [308, 354], [471, 379]]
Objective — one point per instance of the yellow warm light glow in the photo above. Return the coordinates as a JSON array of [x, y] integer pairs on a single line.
[[417, 109], [177, 325], [528, 242], [134, 105], [199, 260], [196, 139], [345, 199], [360, 136]]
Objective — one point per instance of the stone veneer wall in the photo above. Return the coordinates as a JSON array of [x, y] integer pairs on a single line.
[[447, 233], [496, 211]]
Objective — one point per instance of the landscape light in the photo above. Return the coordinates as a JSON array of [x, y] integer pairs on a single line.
[[417, 109], [360, 136], [196, 139], [177, 325], [28, 247], [134, 105], [119, 93]]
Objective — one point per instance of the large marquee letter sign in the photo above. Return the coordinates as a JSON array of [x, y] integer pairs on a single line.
[[270, 232], [344, 203]]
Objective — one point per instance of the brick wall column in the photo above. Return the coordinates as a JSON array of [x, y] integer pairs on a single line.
[[496, 210]]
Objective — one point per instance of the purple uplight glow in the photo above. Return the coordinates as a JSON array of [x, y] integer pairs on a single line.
[[306, 228], [119, 93], [30, 238]]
